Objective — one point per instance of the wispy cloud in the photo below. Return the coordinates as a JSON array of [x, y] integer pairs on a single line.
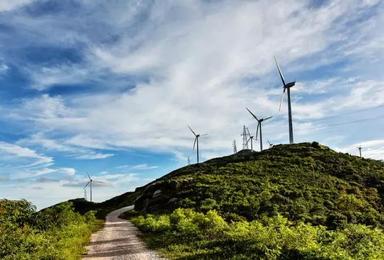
[[14, 4], [11, 150], [138, 167], [370, 149]]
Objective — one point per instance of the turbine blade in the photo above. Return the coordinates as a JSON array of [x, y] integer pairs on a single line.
[[192, 131], [89, 177], [203, 135], [194, 143], [86, 185], [267, 118], [252, 114], [281, 99], [280, 73], [247, 129]]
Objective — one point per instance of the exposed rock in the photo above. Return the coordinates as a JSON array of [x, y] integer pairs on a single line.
[[156, 193], [172, 200]]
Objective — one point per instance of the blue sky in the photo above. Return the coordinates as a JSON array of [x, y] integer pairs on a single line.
[[108, 87]]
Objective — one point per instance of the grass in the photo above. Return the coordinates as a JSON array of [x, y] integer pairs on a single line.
[[186, 234], [302, 182], [54, 233], [101, 209]]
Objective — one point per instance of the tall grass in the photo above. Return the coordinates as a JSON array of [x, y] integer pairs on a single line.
[[54, 233], [186, 234]]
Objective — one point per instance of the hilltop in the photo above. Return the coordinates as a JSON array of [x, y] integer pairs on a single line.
[[302, 182]]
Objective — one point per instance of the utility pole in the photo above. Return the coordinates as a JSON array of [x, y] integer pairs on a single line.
[[245, 139]]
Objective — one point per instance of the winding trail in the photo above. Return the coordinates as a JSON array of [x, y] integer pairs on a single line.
[[118, 240]]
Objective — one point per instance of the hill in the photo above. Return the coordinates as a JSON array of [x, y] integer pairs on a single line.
[[101, 209], [299, 201], [307, 182]]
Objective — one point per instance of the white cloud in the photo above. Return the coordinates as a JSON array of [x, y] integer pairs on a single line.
[[139, 167], [68, 147], [9, 5], [8, 149], [64, 171], [47, 77], [370, 149]]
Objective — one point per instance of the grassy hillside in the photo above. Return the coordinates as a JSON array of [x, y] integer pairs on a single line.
[[301, 201], [103, 208], [307, 182]]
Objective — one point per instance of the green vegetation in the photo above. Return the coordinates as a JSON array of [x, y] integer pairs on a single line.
[[290, 201], [54, 233], [186, 234], [103, 208], [302, 182]]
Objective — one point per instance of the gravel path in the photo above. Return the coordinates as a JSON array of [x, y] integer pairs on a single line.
[[118, 240]]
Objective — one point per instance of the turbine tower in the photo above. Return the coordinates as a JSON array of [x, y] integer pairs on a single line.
[[259, 121], [234, 146], [287, 87], [360, 148], [85, 192], [196, 143], [251, 139], [90, 182]]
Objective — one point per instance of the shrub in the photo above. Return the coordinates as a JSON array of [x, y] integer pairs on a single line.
[[54, 233], [195, 235]]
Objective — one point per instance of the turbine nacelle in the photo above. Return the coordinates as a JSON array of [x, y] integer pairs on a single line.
[[290, 84]]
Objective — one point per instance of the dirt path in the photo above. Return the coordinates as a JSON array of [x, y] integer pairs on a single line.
[[118, 240]]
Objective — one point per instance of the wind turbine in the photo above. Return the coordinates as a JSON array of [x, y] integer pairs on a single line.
[[259, 121], [196, 143], [270, 144], [287, 87], [250, 139], [90, 182], [360, 148], [85, 192]]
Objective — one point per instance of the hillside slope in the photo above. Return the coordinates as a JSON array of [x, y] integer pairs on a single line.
[[302, 182], [101, 209]]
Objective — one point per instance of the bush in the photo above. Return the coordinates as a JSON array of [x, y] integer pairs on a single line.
[[54, 233], [195, 235]]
